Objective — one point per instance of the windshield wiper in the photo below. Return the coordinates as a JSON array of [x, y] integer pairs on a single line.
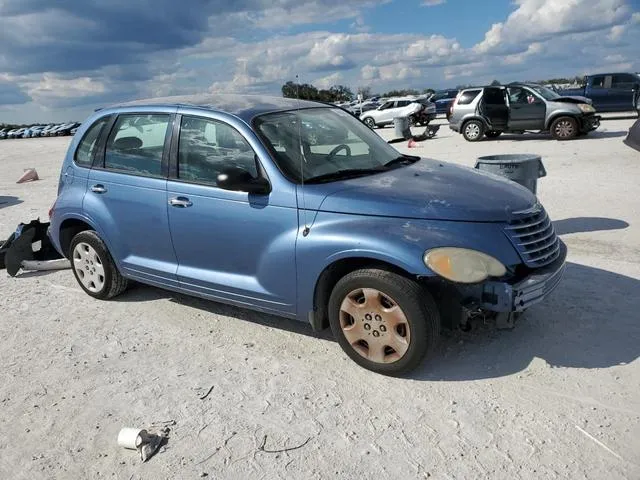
[[402, 159], [344, 174]]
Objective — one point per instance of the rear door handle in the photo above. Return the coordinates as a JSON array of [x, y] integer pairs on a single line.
[[180, 202], [98, 189]]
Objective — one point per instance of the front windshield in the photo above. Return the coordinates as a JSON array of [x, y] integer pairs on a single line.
[[546, 93], [321, 142]]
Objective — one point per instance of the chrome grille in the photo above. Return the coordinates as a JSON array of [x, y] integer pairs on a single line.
[[533, 236]]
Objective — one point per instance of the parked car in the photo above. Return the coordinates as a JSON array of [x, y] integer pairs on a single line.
[[16, 133], [385, 113], [66, 128], [517, 108], [443, 100], [610, 92], [32, 132], [383, 248], [3, 133], [360, 108]]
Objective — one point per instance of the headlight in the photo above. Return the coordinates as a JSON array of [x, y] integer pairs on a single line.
[[586, 108], [462, 265]]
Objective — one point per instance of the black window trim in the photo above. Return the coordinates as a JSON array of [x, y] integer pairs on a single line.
[[99, 159], [175, 144], [90, 165]]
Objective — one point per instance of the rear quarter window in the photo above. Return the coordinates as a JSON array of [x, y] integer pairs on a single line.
[[468, 96], [87, 146]]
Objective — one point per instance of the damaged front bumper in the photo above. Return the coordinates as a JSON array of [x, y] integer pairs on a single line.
[[522, 293], [590, 123]]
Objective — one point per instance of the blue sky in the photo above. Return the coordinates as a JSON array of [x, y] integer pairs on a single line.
[[60, 60]]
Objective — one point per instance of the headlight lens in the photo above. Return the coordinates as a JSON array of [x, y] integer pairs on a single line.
[[462, 265], [586, 108]]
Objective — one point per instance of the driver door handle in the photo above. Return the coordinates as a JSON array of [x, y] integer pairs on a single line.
[[98, 189], [180, 202]]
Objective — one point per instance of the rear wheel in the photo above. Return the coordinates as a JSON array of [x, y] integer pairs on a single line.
[[384, 322], [564, 128], [94, 268], [370, 122], [473, 130], [493, 134]]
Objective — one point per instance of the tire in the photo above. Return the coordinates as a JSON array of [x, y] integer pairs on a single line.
[[564, 128], [370, 122], [493, 134], [94, 268], [473, 130], [414, 330]]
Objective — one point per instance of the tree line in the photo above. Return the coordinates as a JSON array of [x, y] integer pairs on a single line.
[[342, 93]]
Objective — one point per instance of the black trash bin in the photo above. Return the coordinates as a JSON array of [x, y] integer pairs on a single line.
[[524, 169]]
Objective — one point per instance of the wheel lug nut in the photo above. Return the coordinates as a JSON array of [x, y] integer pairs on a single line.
[[383, 328], [368, 316], [378, 318], [376, 333], [367, 326]]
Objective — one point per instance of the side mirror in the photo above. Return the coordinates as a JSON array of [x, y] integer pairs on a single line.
[[238, 179]]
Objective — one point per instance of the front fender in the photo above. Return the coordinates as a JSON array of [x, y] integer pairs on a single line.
[[396, 241]]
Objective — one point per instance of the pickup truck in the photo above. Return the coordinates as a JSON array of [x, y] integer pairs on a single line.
[[610, 92]]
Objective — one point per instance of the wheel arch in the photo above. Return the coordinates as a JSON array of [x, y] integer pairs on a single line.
[[333, 272], [474, 117], [69, 228], [554, 116]]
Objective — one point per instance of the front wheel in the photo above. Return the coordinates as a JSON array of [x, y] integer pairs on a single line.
[[384, 322], [94, 268], [473, 130], [564, 128]]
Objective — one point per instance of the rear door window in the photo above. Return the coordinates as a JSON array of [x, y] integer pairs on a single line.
[[468, 96], [87, 147], [136, 144], [623, 81], [207, 147]]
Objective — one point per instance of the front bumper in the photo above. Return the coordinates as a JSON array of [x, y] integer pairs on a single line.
[[524, 292], [590, 123]]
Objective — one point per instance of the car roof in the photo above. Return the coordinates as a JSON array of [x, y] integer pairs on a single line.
[[245, 107]]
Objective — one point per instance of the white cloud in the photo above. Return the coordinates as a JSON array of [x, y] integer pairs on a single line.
[[432, 3], [536, 20], [54, 87], [329, 80]]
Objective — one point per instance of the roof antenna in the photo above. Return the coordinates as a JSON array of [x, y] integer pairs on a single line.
[[303, 160]]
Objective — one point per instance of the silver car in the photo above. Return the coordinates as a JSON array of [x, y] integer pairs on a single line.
[[519, 108]]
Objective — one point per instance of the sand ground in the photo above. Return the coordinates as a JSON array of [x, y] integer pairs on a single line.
[[557, 397]]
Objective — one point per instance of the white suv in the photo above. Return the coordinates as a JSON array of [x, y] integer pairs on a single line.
[[385, 113]]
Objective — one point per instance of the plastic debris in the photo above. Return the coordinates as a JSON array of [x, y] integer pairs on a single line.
[[29, 175]]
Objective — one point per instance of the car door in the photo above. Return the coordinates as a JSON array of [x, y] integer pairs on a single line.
[[599, 92], [382, 114], [623, 91], [127, 197], [231, 245], [526, 109]]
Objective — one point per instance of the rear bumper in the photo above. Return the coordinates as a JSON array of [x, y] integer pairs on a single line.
[[525, 292]]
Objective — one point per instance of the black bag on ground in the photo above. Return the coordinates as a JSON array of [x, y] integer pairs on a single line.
[[20, 246], [633, 138]]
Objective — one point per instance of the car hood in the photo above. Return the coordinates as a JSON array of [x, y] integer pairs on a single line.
[[573, 99], [428, 189]]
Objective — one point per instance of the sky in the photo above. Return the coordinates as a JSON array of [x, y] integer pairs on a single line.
[[59, 60]]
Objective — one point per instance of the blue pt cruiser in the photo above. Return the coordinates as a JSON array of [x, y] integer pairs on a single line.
[[298, 209]]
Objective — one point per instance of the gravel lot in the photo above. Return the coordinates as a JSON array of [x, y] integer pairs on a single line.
[[557, 397]]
